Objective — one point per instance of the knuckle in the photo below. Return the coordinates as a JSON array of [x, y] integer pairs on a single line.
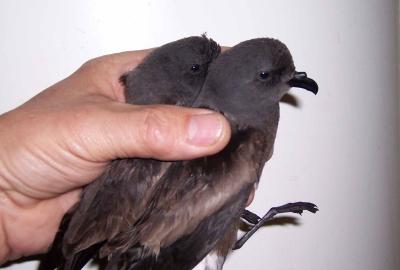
[[90, 64], [158, 136], [94, 65]]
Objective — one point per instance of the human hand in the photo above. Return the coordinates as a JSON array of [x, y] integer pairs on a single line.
[[63, 138]]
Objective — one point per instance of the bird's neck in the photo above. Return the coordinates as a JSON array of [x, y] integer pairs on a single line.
[[265, 125], [265, 121]]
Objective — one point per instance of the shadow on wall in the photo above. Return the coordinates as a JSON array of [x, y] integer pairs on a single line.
[[276, 221], [291, 100]]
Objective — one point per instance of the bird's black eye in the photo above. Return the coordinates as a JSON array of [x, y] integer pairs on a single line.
[[263, 75], [195, 68]]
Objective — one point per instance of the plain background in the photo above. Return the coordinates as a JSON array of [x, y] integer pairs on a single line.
[[339, 149]]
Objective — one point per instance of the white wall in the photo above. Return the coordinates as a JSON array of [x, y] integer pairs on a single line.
[[339, 149], [398, 52]]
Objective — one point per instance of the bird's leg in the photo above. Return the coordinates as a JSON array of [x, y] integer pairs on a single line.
[[250, 217], [297, 207]]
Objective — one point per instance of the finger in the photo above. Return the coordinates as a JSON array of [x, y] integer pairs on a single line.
[[160, 131], [128, 60], [101, 75]]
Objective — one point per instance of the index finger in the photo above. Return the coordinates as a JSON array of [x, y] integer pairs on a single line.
[[126, 61]]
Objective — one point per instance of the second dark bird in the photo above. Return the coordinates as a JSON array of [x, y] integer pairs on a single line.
[[197, 205]]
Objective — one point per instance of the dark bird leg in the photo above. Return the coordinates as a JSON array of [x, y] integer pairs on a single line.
[[250, 217], [297, 208]]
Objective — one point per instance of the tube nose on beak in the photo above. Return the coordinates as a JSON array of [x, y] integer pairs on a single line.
[[300, 80]]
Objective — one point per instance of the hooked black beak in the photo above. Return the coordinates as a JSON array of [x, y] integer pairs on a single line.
[[301, 80]]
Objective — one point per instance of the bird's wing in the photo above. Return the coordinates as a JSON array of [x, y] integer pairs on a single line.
[[191, 191], [214, 236], [113, 203]]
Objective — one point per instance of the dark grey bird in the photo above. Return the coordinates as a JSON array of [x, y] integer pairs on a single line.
[[197, 205], [111, 205]]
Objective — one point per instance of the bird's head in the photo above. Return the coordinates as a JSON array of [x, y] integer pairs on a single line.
[[173, 73], [189, 58], [249, 80]]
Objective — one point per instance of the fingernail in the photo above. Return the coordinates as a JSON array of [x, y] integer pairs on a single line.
[[204, 129]]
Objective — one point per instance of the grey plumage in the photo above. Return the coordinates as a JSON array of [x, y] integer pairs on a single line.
[[146, 214], [199, 203], [113, 203], [172, 74]]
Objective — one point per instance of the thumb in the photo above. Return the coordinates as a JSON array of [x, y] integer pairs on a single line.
[[157, 131]]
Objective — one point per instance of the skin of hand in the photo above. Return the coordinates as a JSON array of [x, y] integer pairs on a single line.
[[63, 138]]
